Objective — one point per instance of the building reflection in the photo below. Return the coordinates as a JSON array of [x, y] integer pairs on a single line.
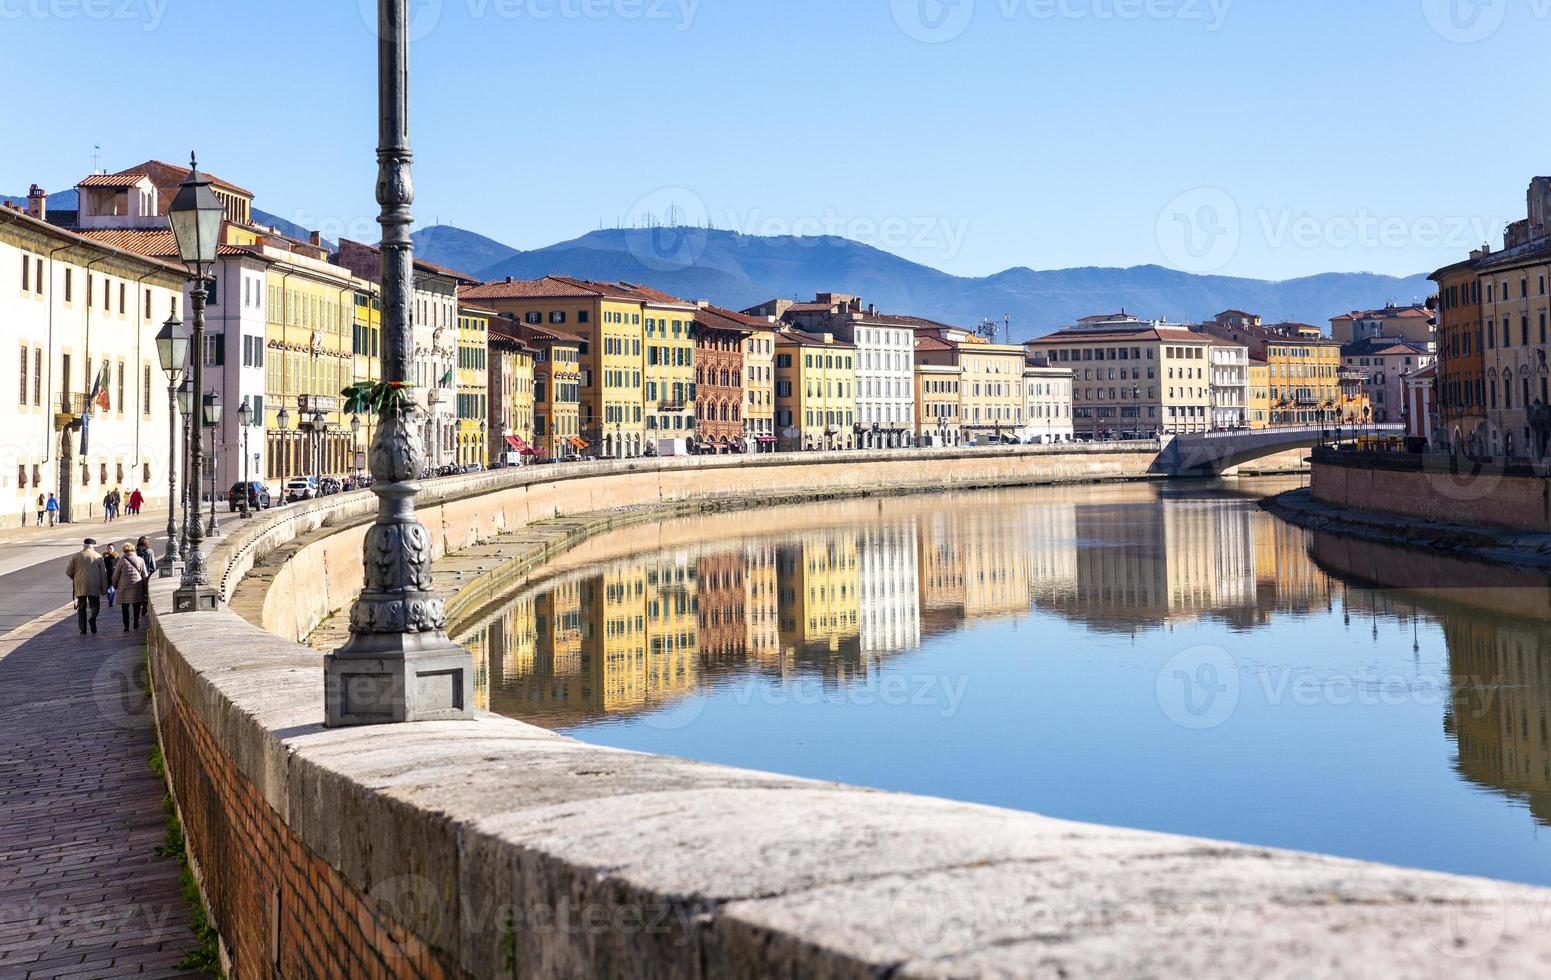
[[832, 593]]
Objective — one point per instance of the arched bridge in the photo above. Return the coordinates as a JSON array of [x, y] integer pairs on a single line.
[[1216, 453]]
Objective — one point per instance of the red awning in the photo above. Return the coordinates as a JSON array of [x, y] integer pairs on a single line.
[[516, 444]]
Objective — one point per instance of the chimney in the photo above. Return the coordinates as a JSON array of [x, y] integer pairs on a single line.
[[315, 240], [37, 203], [508, 278]]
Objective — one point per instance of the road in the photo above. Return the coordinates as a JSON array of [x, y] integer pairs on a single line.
[[32, 565]]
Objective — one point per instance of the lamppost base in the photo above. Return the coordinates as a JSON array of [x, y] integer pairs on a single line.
[[196, 598], [390, 678]]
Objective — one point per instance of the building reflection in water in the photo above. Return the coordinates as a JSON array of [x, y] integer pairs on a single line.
[[831, 593]]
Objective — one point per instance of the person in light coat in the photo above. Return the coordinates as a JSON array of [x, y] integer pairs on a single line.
[[129, 579], [89, 580]]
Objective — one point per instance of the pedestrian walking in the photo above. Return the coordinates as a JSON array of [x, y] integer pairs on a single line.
[[89, 580], [42, 506], [129, 578], [143, 549], [52, 507], [109, 560], [136, 501], [107, 508]]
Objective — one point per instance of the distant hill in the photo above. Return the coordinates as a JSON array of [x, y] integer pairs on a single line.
[[291, 228], [740, 270], [461, 250]]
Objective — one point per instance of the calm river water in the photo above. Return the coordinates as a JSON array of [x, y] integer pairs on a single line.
[[1171, 658]]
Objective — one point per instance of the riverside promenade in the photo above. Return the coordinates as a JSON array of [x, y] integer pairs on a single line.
[[83, 892]]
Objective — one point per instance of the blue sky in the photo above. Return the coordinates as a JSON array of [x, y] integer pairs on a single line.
[[1248, 137]]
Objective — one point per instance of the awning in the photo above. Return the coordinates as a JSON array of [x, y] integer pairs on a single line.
[[578, 442], [766, 439], [516, 444]]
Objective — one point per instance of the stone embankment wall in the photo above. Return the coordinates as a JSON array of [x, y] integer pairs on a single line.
[[495, 849], [1433, 489]]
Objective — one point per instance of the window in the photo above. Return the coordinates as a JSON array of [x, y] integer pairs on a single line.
[[21, 398], [121, 387], [37, 377], [145, 392], [26, 272], [68, 283]]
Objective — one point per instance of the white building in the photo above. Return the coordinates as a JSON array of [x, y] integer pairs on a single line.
[[1048, 393], [81, 316], [885, 361], [434, 312], [127, 210], [1228, 372]]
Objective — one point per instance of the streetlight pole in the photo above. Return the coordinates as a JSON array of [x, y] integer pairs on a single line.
[[196, 216], [172, 351], [186, 410], [245, 419], [399, 664], [212, 413]]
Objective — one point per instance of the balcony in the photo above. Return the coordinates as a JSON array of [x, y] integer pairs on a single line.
[[72, 404], [671, 406]]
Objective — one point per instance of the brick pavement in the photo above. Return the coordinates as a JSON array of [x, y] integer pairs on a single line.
[[83, 893]]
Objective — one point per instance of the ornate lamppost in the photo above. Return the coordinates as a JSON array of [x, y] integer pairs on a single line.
[[212, 414], [171, 352], [399, 664], [245, 419], [190, 502], [196, 216]]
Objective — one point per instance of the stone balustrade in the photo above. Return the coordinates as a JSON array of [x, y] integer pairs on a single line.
[[494, 849]]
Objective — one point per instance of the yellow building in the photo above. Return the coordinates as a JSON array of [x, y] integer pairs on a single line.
[[366, 345], [815, 391], [556, 391], [991, 402], [1304, 368], [473, 381], [937, 404], [311, 322], [818, 585], [610, 320], [672, 667], [668, 337], [759, 383], [1259, 394], [510, 421]]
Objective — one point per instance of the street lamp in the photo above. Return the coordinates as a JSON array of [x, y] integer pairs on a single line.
[[399, 664], [213, 422], [190, 499], [196, 216], [355, 442], [171, 352], [245, 419]]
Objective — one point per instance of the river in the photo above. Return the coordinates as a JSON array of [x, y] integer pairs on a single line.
[[1164, 657]]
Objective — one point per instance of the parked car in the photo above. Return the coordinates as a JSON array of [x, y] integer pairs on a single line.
[[258, 496], [301, 488]]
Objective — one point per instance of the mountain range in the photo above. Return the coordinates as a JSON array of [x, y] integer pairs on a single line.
[[738, 271]]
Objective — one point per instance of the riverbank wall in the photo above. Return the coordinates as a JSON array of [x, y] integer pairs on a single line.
[[495, 849], [1434, 488]]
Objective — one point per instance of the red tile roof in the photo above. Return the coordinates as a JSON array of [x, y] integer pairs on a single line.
[[716, 318], [18, 216], [155, 243], [801, 338], [933, 344], [112, 180], [171, 173]]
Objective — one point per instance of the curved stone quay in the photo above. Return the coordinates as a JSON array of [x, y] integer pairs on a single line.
[[493, 848]]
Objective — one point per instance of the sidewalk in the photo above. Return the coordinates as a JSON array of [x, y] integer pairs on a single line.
[[83, 893], [12, 533]]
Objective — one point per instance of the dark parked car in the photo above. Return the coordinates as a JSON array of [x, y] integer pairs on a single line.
[[258, 496]]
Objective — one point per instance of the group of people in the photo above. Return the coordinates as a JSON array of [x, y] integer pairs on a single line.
[[115, 502], [48, 505], [120, 575]]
